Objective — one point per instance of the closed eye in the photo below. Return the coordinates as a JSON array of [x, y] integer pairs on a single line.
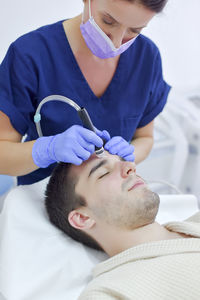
[[103, 175], [135, 31], [107, 22]]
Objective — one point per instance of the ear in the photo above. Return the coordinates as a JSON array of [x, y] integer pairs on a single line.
[[80, 220]]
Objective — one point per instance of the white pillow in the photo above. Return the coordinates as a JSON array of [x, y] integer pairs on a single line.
[[37, 260]]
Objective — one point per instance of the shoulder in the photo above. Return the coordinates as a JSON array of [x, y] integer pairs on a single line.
[[145, 41], [146, 46], [143, 55], [32, 41], [98, 288], [194, 218], [97, 293]]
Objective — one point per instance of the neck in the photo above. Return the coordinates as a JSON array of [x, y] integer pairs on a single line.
[[73, 33], [130, 238]]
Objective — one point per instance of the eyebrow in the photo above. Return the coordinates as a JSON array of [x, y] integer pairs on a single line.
[[107, 15], [100, 164]]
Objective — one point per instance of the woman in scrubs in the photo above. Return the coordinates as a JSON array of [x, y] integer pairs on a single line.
[[100, 60]]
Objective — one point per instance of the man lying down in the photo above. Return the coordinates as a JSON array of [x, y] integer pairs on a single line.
[[104, 204]]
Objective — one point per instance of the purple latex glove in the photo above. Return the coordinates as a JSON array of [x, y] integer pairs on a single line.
[[104, 134], [119, 146], [74, 145]]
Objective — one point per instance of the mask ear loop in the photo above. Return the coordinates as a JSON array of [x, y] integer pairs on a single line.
[[90, 14]]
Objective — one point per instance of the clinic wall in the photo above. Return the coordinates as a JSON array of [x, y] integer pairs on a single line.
[[176, 31], [21, 16]]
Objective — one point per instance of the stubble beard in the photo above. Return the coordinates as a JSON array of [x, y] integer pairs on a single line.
[[139, 211]]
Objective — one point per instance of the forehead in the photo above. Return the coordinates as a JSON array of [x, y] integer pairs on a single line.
[[85, 168], [82, 172], [131, 14]]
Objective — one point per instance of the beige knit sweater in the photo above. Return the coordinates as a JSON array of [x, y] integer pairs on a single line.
[[162, 270]]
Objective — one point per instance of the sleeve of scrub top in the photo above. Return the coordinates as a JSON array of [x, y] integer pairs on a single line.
[[158, 94], [17, 86]]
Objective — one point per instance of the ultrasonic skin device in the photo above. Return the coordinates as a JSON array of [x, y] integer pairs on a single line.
[[82, 112]]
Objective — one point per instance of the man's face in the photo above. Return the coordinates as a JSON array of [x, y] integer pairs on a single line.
[[114, 193]]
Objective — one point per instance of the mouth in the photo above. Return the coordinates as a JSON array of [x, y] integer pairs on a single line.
[[137, 184]]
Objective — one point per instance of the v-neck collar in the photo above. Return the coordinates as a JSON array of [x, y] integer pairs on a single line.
[[81, 77]]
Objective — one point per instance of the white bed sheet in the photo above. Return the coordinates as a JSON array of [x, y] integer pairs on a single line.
[[37, 261]]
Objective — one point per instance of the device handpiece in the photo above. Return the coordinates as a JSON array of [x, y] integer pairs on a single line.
[[87, 123]]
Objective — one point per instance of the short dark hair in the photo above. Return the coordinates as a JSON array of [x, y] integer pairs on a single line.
[[61, 199]]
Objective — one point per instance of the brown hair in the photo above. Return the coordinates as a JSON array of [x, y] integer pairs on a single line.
[[154, 5], [61, 199]]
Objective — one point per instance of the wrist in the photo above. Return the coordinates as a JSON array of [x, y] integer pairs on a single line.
[[40, 152]]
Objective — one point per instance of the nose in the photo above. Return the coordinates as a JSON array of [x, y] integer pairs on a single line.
[[117, 42], [127, 169], [118, 38]]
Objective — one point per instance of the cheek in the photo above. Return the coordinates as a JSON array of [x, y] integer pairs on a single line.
[[109, 187], [101, 25]]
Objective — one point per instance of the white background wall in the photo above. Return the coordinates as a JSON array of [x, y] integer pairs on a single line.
[[176, 31]]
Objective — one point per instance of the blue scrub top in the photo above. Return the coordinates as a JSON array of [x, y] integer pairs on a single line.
[[41, 63]]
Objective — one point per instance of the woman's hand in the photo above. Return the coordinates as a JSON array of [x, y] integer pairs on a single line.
[[119, 146], [74, 145]]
